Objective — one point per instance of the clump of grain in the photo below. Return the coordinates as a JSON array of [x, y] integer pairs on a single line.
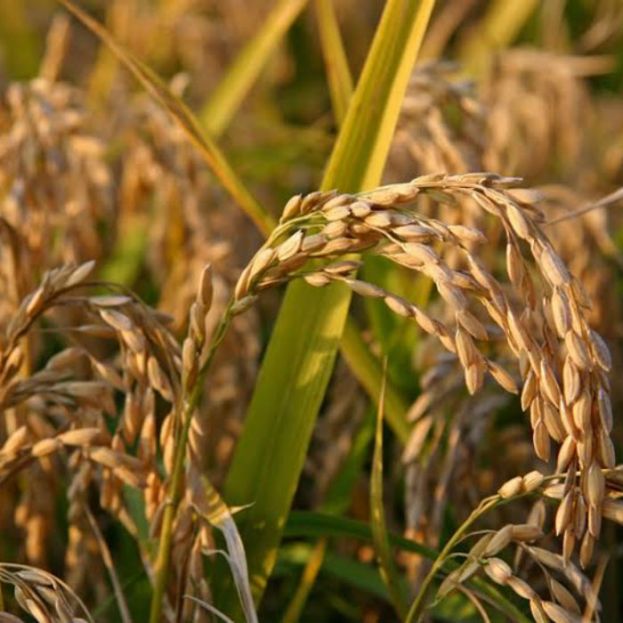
[[63, 408], [567, 589], [549, 335]]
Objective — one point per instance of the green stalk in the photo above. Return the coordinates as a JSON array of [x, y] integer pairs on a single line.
[[297, 366], [226, 99], [163, 560]]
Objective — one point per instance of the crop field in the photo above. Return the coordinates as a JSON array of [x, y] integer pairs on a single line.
[[311, 311]]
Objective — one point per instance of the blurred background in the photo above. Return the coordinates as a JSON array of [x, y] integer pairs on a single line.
[[528, 89]]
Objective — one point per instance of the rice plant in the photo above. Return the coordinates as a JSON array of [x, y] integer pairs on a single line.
[[311, 311]]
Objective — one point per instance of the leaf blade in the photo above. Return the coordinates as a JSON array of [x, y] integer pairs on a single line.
[[307, 367]]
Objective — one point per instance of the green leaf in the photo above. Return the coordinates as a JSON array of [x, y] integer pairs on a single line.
[[315, 560], [336, 501], [397, 339], [124, 264], [313, 524], [272, 449], [367, 369], [300, 356], [251, 60], [364, 365], [340, 492], [359, 156], [219, 516]]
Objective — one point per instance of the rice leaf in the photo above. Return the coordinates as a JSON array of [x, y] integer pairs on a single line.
[[336, 501], [209, 608], [297, 366], [397, 338], [359, 155], [339, 494], [127, 257], [313, 524], [122, 605], [226, 99], [363, 364], [346, 570], [367, 369], [308, 578]]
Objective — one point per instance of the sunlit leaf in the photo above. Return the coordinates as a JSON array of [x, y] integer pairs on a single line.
[[300, 356]]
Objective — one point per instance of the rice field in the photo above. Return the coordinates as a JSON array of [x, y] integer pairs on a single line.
[[311, 311]]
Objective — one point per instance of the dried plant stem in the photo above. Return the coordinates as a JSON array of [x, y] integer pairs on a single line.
[[188, 404], [417, 607]]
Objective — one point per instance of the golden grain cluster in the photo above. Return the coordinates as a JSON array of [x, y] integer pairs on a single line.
[[485, 329]]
